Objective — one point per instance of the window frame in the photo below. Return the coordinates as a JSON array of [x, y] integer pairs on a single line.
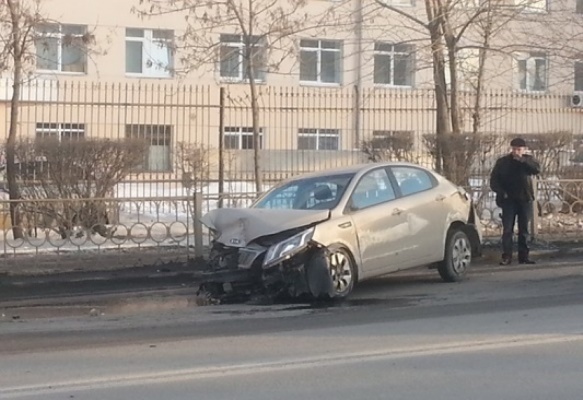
[[530, 56], [392, 53], [145, 132], [239, 132], [59, 129], [148, 42], [241, 48], [319, 50], [319, 133], [406, 3], [529, 9], [59, 36]]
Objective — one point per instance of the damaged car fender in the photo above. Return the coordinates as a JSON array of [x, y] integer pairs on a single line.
[[345, 237]]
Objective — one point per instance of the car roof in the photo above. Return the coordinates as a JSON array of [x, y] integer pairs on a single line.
[[352, 169]]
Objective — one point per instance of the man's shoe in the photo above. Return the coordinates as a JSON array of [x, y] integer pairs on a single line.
[[527, 261], [506, 261]]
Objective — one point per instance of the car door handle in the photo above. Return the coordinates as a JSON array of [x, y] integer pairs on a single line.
[[397, 211], [345, 225], [439, 197]]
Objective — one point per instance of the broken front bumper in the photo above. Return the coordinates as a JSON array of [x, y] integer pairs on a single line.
[[241, 271]]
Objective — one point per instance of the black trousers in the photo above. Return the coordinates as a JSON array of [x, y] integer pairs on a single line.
[[513, 210]]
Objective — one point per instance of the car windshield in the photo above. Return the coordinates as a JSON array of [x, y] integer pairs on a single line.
[[320, 193]]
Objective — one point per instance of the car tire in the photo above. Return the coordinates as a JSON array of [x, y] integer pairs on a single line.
[[458, 256], [331, 273], [343, 272]]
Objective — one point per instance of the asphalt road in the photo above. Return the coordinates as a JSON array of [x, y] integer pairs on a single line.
[[505, 333]]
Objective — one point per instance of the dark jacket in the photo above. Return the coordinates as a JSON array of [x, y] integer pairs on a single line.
[[512, 179]]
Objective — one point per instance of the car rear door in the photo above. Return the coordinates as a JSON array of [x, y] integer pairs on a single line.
[[426, 213]]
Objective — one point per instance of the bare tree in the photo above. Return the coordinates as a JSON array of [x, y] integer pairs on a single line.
[[451, 26], [19, 20], [246, 39]]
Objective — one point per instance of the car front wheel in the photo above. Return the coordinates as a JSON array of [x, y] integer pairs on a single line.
[[342, 272], [458, 257], [331, 273]]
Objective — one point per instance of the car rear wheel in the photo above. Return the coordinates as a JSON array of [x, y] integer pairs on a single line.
[[458, 257]]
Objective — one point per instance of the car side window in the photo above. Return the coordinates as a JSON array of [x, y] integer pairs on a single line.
[[374, 188], [412, 180], [322, 195]]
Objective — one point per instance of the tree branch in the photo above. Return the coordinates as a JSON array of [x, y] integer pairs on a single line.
[[402, 13]]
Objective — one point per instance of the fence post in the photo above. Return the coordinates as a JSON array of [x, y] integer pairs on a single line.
[[198, 242], [221, 147]]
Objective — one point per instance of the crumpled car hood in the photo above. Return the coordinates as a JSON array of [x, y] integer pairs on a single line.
[[237, 227]]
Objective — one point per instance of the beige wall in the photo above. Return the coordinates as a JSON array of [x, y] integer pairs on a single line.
[[107, 19]]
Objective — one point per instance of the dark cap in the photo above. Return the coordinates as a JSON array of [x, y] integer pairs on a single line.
[[518, 142]]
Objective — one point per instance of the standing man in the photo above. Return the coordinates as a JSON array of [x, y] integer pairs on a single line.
[[511, 180]]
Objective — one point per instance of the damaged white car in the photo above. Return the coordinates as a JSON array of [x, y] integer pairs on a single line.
[[319, 234]]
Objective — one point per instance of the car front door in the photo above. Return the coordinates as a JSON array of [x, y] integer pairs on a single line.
[[380, 221]]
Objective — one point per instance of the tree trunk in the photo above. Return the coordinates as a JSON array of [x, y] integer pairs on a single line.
[[251, 62], [13, 189], [476, 115], [256, 136], [442, 121], [456, 149]]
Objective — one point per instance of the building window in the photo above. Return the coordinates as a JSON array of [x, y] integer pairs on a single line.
[[467, 4], [61, 48], [533, 6], [401, 3], [149, 52], [61, 132], [159, 141], [238, 54], [320, 61], [578, 76], [241, 138], [579, 7], [531, 72], [393, 64], [318, 139]]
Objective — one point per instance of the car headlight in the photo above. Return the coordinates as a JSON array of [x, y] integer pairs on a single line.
[[288, 247]]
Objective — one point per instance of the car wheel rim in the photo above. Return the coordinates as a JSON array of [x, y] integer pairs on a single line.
[[341, 272], [461, 255]]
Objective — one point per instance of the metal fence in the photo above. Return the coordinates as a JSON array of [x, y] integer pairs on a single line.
[[302, 129], [149, 230]]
